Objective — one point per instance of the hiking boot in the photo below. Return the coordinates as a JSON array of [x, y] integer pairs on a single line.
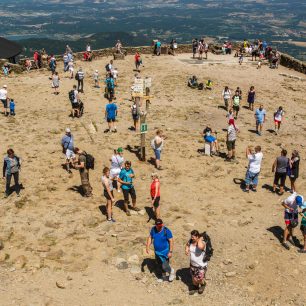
[[128, 213], [201, 288], [193, 290], [172, 275]]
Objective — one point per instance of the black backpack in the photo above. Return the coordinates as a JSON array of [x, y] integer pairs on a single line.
[[71, 96], [90, 161], [107, 67], [209, 249]]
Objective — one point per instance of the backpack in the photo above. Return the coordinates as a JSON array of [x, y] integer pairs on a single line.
[[107, 67], [71, 96], [209, 249], [90, 161], [76, 76]]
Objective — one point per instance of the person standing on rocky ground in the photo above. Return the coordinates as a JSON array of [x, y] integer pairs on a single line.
[[251, 98], [155, 195], [158, 48], [11, 167], [110, 86], [291, 205], [66, 61], [236, 103], [84, 172], [108, 193], [231, 140], [80, 75], [96, 78], [111, 112], [157, 144], [280, 167], [137, 61], [117, 162], [293, 170], [195, 248], [260, 117], [135, 116], [205, 44], [68, 149], [55, 82], [35, 58], [303, 227], [163, 247], [125, 178], [252, 174], [194, 47], [278, 117], [71, 68], [4, 99], [226, 95], [200, 50]]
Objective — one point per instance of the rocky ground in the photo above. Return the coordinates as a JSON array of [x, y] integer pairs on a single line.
[[58, 249]]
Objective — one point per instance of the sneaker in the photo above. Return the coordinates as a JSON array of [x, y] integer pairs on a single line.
[[201, 289], [18, 195], [193, 290], [5, 195], [118, 190], [172, 275], [111, 220], [128, 213], [246, 190], [286, 246], [254, 189]]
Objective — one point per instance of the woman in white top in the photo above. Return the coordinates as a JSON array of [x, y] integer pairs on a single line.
[[117, 161], [108, 193], [226, 95], [278, 116], [55, 82], [195, 248], [157, 145]]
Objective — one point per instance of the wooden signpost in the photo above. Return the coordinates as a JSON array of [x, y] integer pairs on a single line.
[[141, 89]]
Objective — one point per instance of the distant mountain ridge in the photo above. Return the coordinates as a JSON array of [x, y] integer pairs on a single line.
[[97, 41]]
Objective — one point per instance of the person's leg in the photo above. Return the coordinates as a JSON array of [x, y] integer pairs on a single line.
[[278, 125], [109, 209], [82, 85], [85, 183], [79, 83], [292, 181], [126, 201], [157, 159], [16, 180], [282, 183], [275, 183], [247, 181], [157, 212], [8, 184], [133, 196], [257, 125]]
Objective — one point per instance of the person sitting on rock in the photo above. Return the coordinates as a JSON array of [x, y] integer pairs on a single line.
[[214, 147], [208, 85], [193, 82]]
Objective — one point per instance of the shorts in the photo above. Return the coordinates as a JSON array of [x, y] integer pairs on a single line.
[[106, 195], [259, 121], [231, 145], [236, 108], [156, 202], [198, 273], [157, 154], [251, 178], [126, 193], [277, 121], [290, 216], [251, 101], [303, 229], [280, 177], [135, 117], [210, 139], [111, 119], [75, 105], [4, 102], [69, 154]]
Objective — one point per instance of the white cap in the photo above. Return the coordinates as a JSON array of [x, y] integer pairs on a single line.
[[4, 86], [68, 130], [96, 70]]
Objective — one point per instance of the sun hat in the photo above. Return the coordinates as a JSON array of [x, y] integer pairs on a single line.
[[4, 86]]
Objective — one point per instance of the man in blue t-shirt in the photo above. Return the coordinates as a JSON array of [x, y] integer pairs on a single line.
[[68, 147], [163, 246], [260, 116], [111, 111], [125, 178]]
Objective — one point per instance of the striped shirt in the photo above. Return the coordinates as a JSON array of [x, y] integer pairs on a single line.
[[81, 75]]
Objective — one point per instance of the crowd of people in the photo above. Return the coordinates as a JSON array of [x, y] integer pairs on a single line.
[[119, 176]]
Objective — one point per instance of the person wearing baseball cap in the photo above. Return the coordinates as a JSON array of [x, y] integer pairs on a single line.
[[68, 147], [303, 226], [4, 99], [291, 205], [163, 247]]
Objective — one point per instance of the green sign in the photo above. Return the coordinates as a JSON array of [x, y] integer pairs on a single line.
[[143, 128]]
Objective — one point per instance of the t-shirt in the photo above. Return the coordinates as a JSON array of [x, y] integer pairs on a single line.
[[107, 182], [231, 133], [65, 58], [161, 241], [158, 143], [96, 75], [115, 73], [125, 177], [117, 161], [303, 221], [67, 142], [236, 100], [255, 162], [226, 94], [12, 106], [290, 202], [3, 94], [158, 44], [111, 110], [260, 114], [75, 93], [81, 75], [278, 115]]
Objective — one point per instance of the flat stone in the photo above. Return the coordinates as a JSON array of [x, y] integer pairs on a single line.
[[134, 259], [135, 270], [230, 274], [20, 262]]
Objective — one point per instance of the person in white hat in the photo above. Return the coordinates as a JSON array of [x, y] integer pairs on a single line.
[[303, 226], [68, 147], [4, 99], [96, 78]]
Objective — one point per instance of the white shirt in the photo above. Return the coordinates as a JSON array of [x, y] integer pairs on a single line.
[[107, 182], [88, 48], [115, 73], [158, 142], [290, 201], [255, 162], [76, 93], [117, 161], [231, 133], [70, 65], [226, 94], [3, 94], [196, 256], [279, 115]]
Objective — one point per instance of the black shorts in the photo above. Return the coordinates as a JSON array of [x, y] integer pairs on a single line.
[[135, 117], [111, 119], [126, 193], [4, 102], [236, 108], [75, 105], [107, 195], [156, 202], [280, 177]]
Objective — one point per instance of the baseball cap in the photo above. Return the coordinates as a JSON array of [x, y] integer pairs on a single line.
[[299, 200], [159, 222], [68, 130], [120, 150]]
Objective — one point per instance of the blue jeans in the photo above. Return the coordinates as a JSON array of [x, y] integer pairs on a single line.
[[157, 154], [251, 178]]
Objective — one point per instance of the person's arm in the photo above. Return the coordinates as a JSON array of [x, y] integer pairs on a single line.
[[264, 118], [274, 165], [201, 244], [149, 242], [187, 248], [132, 175], [171, 244], [4, 168], [247, 152]]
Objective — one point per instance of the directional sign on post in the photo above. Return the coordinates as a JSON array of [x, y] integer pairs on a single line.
[[138, 86], [147, 82], [143, 128]]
